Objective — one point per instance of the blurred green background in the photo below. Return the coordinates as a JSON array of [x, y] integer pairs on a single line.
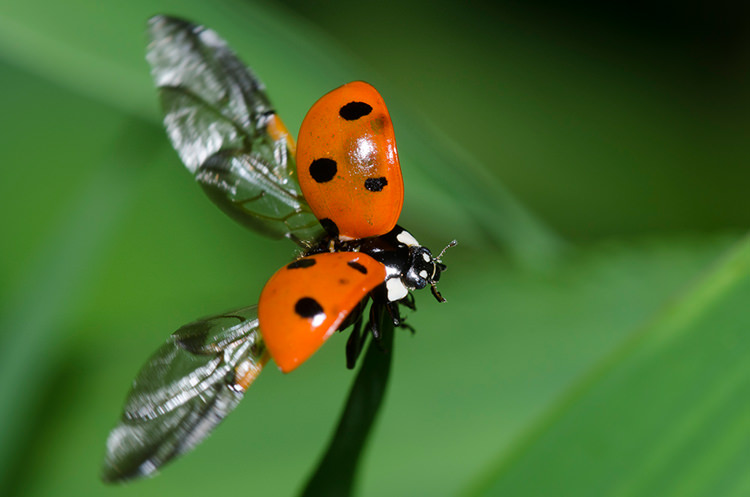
[[590, 158]]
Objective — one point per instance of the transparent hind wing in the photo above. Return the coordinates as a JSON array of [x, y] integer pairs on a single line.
[[223, 127], [183, 391]]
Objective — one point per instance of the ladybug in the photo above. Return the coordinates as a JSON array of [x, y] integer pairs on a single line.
[[337, 194]]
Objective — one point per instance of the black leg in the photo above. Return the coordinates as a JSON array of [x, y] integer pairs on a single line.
[[376, 310], [402, 322], [408, 327], [409, 301], [392, 308], [436, 294], [355, 344]]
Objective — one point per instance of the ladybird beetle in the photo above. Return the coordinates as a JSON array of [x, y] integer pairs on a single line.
[[339, 201]]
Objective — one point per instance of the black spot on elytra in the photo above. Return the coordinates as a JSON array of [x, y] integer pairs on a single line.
[[301, 263], [359, 267], [330, 227], [375, 184], [354, 110], [323, 170], [307, 307]]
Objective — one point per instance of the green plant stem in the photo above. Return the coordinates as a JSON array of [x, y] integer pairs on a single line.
[[337, 469]]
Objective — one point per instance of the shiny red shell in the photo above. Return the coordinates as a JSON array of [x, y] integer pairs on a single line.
[[347, 163], [307, 300]]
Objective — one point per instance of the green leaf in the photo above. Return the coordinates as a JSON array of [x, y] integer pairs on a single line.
[[59, 275], [668, 414]]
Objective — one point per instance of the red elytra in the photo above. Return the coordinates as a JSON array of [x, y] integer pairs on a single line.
[[347, 163], [307, 300]]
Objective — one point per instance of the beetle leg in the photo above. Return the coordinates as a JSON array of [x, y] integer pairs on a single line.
[[355, 344]]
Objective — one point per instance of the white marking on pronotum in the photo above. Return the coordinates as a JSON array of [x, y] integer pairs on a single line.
[[406, 238], [426, 257], [396, 289], [423, 273]]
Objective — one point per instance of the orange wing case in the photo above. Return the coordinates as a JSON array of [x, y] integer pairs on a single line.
[[347, 163], [307, 300]]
